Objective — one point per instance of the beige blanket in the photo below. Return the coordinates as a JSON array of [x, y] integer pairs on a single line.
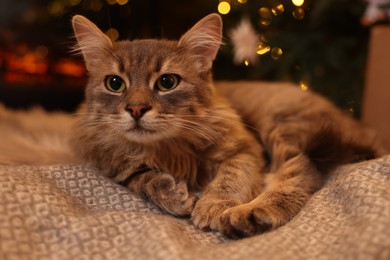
[[72, 212]]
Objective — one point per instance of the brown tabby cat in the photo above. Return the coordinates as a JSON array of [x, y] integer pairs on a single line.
[[155, 123]]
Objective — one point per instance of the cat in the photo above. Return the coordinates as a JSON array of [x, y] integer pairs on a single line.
[[155, 122]]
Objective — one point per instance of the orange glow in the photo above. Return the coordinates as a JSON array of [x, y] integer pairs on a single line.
[[29, 66], [29, 63], [69, 68]]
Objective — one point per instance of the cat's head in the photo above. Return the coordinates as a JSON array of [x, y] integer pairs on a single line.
[[149, 89]]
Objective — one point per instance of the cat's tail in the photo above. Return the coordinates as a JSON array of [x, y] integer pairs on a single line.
[[35, 137], [331, 147]]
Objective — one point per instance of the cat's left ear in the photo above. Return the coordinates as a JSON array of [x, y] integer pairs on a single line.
[[204, 38]]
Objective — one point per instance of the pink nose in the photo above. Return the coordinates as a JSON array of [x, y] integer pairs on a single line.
[[137, 110]]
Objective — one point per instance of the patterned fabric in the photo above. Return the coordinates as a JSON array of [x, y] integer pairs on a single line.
[[71, 212]]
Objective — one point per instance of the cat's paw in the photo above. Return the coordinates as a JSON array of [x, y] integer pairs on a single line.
[[171, 197], [245, 220], [207, 212]]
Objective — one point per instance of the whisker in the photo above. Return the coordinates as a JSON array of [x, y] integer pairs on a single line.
[[227, 119]]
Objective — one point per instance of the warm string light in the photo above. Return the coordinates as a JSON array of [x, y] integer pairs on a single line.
[[278, 9], [263, 48], [298, 2], [224, 7], [113, 34], [299, 13], [276, 53], [266, 15], [303, 85], [119, 2]]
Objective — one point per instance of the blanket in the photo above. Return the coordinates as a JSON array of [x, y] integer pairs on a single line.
[[70, 211]]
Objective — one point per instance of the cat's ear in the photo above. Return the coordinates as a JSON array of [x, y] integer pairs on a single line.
[[91, 41], [204, 38]]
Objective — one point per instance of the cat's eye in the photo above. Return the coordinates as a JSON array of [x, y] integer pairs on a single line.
[[115, 83], [167, 82]]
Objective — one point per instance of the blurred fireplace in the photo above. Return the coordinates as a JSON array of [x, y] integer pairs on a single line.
[[29, 77]]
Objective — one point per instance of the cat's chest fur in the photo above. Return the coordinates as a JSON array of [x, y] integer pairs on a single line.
[[178, 158]]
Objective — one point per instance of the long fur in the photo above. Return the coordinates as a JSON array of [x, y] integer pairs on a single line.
[[35, 137]]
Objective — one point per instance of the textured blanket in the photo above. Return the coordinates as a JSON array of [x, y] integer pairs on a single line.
[[72, 212]]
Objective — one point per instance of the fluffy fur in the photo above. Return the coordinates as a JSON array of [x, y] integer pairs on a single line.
[[190, 137], [257, 152], [35, 137]]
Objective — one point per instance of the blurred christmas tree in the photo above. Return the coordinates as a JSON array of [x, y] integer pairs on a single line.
[[321, 45]]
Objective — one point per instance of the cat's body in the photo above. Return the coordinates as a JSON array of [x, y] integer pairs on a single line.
[[155, 123]]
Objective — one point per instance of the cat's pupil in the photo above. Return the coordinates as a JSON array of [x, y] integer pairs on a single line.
[[168, 81], [116, 83]]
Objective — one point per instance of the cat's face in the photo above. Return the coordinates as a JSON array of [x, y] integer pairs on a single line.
[[148, 90]]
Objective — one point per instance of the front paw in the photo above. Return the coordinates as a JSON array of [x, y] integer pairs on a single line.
[[171, 197], [245, 220], [207, 212]]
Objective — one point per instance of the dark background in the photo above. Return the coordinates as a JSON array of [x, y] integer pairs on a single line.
[[325, 50]]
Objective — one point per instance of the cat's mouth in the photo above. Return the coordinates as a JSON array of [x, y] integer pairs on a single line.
[[138, 129]]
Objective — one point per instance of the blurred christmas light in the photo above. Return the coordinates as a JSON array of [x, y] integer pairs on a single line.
[[277, 10], [113, 34], [246, 62], [263, 48], [55, 8], [74, 2], [265, 16], [298, 2], [276, 53], [223, 7], [122, 2], [111, 2], [299, 13], [242, 1], [93, 5], [303, 85]]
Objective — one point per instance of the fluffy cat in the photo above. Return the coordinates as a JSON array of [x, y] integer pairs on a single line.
[[155, 122]]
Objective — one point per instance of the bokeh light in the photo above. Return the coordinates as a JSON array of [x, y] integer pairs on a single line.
[[56, 8], [74, 2], [113, 34], [298, 2], [276, 53], [224, 7], [265, 16], [299, 13], [303, 85], [122, 2], [278, 9], [242, 1], [263, 48]]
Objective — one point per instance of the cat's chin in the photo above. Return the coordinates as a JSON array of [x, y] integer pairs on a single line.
[[142, 135]]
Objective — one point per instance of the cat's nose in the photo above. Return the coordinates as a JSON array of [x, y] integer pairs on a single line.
[[137, 110]]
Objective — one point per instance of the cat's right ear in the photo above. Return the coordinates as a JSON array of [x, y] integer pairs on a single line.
[[91, 41]]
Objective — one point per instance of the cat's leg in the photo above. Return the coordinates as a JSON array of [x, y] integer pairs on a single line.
[[237, 181], [164, 192], [293, 180]]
